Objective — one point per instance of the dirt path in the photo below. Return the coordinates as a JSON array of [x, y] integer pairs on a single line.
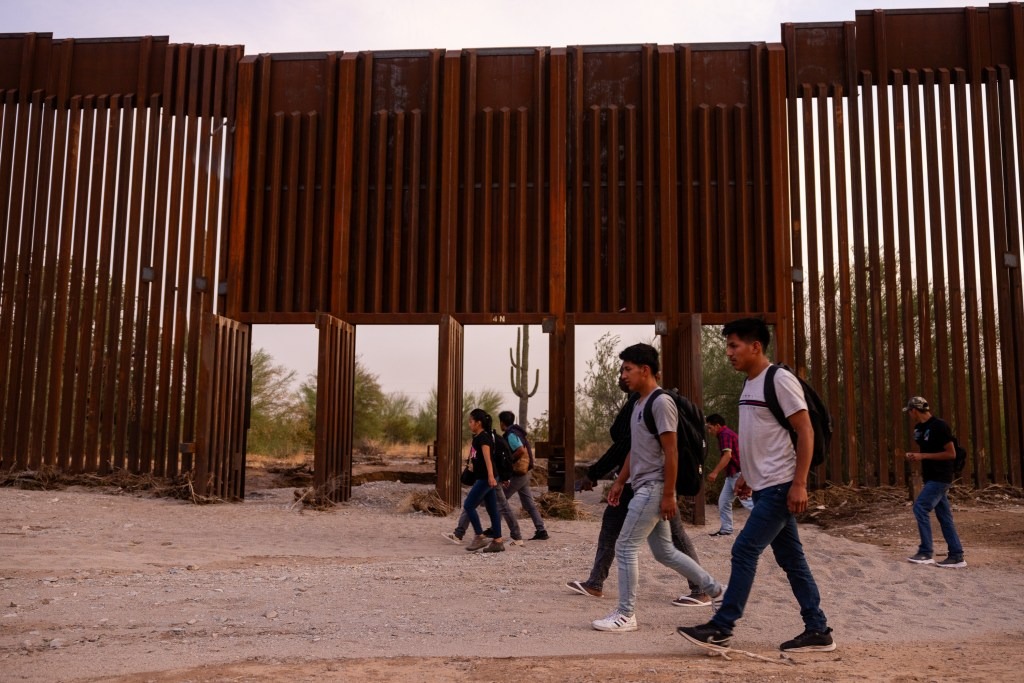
[[115, 587]]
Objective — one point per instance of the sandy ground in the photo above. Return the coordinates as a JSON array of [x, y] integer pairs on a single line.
[[96, 585]]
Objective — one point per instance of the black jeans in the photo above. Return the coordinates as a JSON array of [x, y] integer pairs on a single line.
[[611, 524]]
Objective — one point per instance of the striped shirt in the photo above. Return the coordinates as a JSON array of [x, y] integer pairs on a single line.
[[767, 453]]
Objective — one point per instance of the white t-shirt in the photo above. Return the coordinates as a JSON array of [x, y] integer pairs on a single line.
[[646, 459], [767, 456]]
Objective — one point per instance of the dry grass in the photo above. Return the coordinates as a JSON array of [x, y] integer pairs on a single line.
[[318, 497], [293, 475], [259, 460], [421, 452], [181, 488], [426, 501], [48, 478], [369, 452], [539, 473], [993, 494], [837, 504], [840, 505], [560, 506]]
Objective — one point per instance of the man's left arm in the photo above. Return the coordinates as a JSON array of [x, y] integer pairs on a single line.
[[669, 446], [801, 422], [949, 451]]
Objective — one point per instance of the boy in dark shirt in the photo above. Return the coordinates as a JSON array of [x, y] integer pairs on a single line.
[[936, 452]]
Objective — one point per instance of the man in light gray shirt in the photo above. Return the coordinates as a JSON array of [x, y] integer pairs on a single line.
[[650, 468]]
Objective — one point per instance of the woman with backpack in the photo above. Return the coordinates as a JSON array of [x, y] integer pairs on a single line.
[[483, 487]]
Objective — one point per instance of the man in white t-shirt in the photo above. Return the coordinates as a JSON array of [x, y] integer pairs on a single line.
[[776, 473], [650, 468]]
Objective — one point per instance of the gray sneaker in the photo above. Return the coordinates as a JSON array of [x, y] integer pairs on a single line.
[[921, 558], [478, 543]]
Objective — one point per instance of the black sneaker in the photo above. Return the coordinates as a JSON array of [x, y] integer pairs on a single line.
[[810, 641], [708, 636], [921, 558], [541, 535], [489, 532], [953, 561]]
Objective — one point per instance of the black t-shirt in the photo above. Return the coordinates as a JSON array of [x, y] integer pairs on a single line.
[[931, 437], [622, 438], [475, 451]]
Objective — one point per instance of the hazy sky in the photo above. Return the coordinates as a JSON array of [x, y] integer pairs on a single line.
[[322, 25], [405, 358]]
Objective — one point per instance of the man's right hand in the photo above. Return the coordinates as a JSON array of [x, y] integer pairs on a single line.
[[615, 493], [742, 490]]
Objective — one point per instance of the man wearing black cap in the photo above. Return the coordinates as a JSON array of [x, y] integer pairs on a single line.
[[936, 452]]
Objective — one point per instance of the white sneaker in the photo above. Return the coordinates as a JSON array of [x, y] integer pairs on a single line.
[[450, 536], [618, 623], [517, 541]]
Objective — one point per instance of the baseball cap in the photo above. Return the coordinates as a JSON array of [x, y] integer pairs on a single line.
[[916, 403]]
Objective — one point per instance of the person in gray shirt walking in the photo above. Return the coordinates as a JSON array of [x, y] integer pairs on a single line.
[[650, 468]]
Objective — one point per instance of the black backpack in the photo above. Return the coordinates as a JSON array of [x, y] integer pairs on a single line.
[[689, 440], [501, 457], [961, 457], [821, 421]]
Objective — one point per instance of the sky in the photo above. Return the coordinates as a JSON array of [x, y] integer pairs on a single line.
[[405, 358], [330, 25]]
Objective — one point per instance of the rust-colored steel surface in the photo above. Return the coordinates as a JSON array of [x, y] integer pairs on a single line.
[[223, 408], [451, 349], [410, 184], [906, 160], [332, 453], [857, 184], [112, 159]]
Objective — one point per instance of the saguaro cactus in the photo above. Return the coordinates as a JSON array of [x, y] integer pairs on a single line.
[[519, 373]]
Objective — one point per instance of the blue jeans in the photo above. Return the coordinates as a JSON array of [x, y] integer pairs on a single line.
[[611, 525], [503, 509], [770, 522], [933, 497], [643, 521], [725, 502], [481, 490]]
